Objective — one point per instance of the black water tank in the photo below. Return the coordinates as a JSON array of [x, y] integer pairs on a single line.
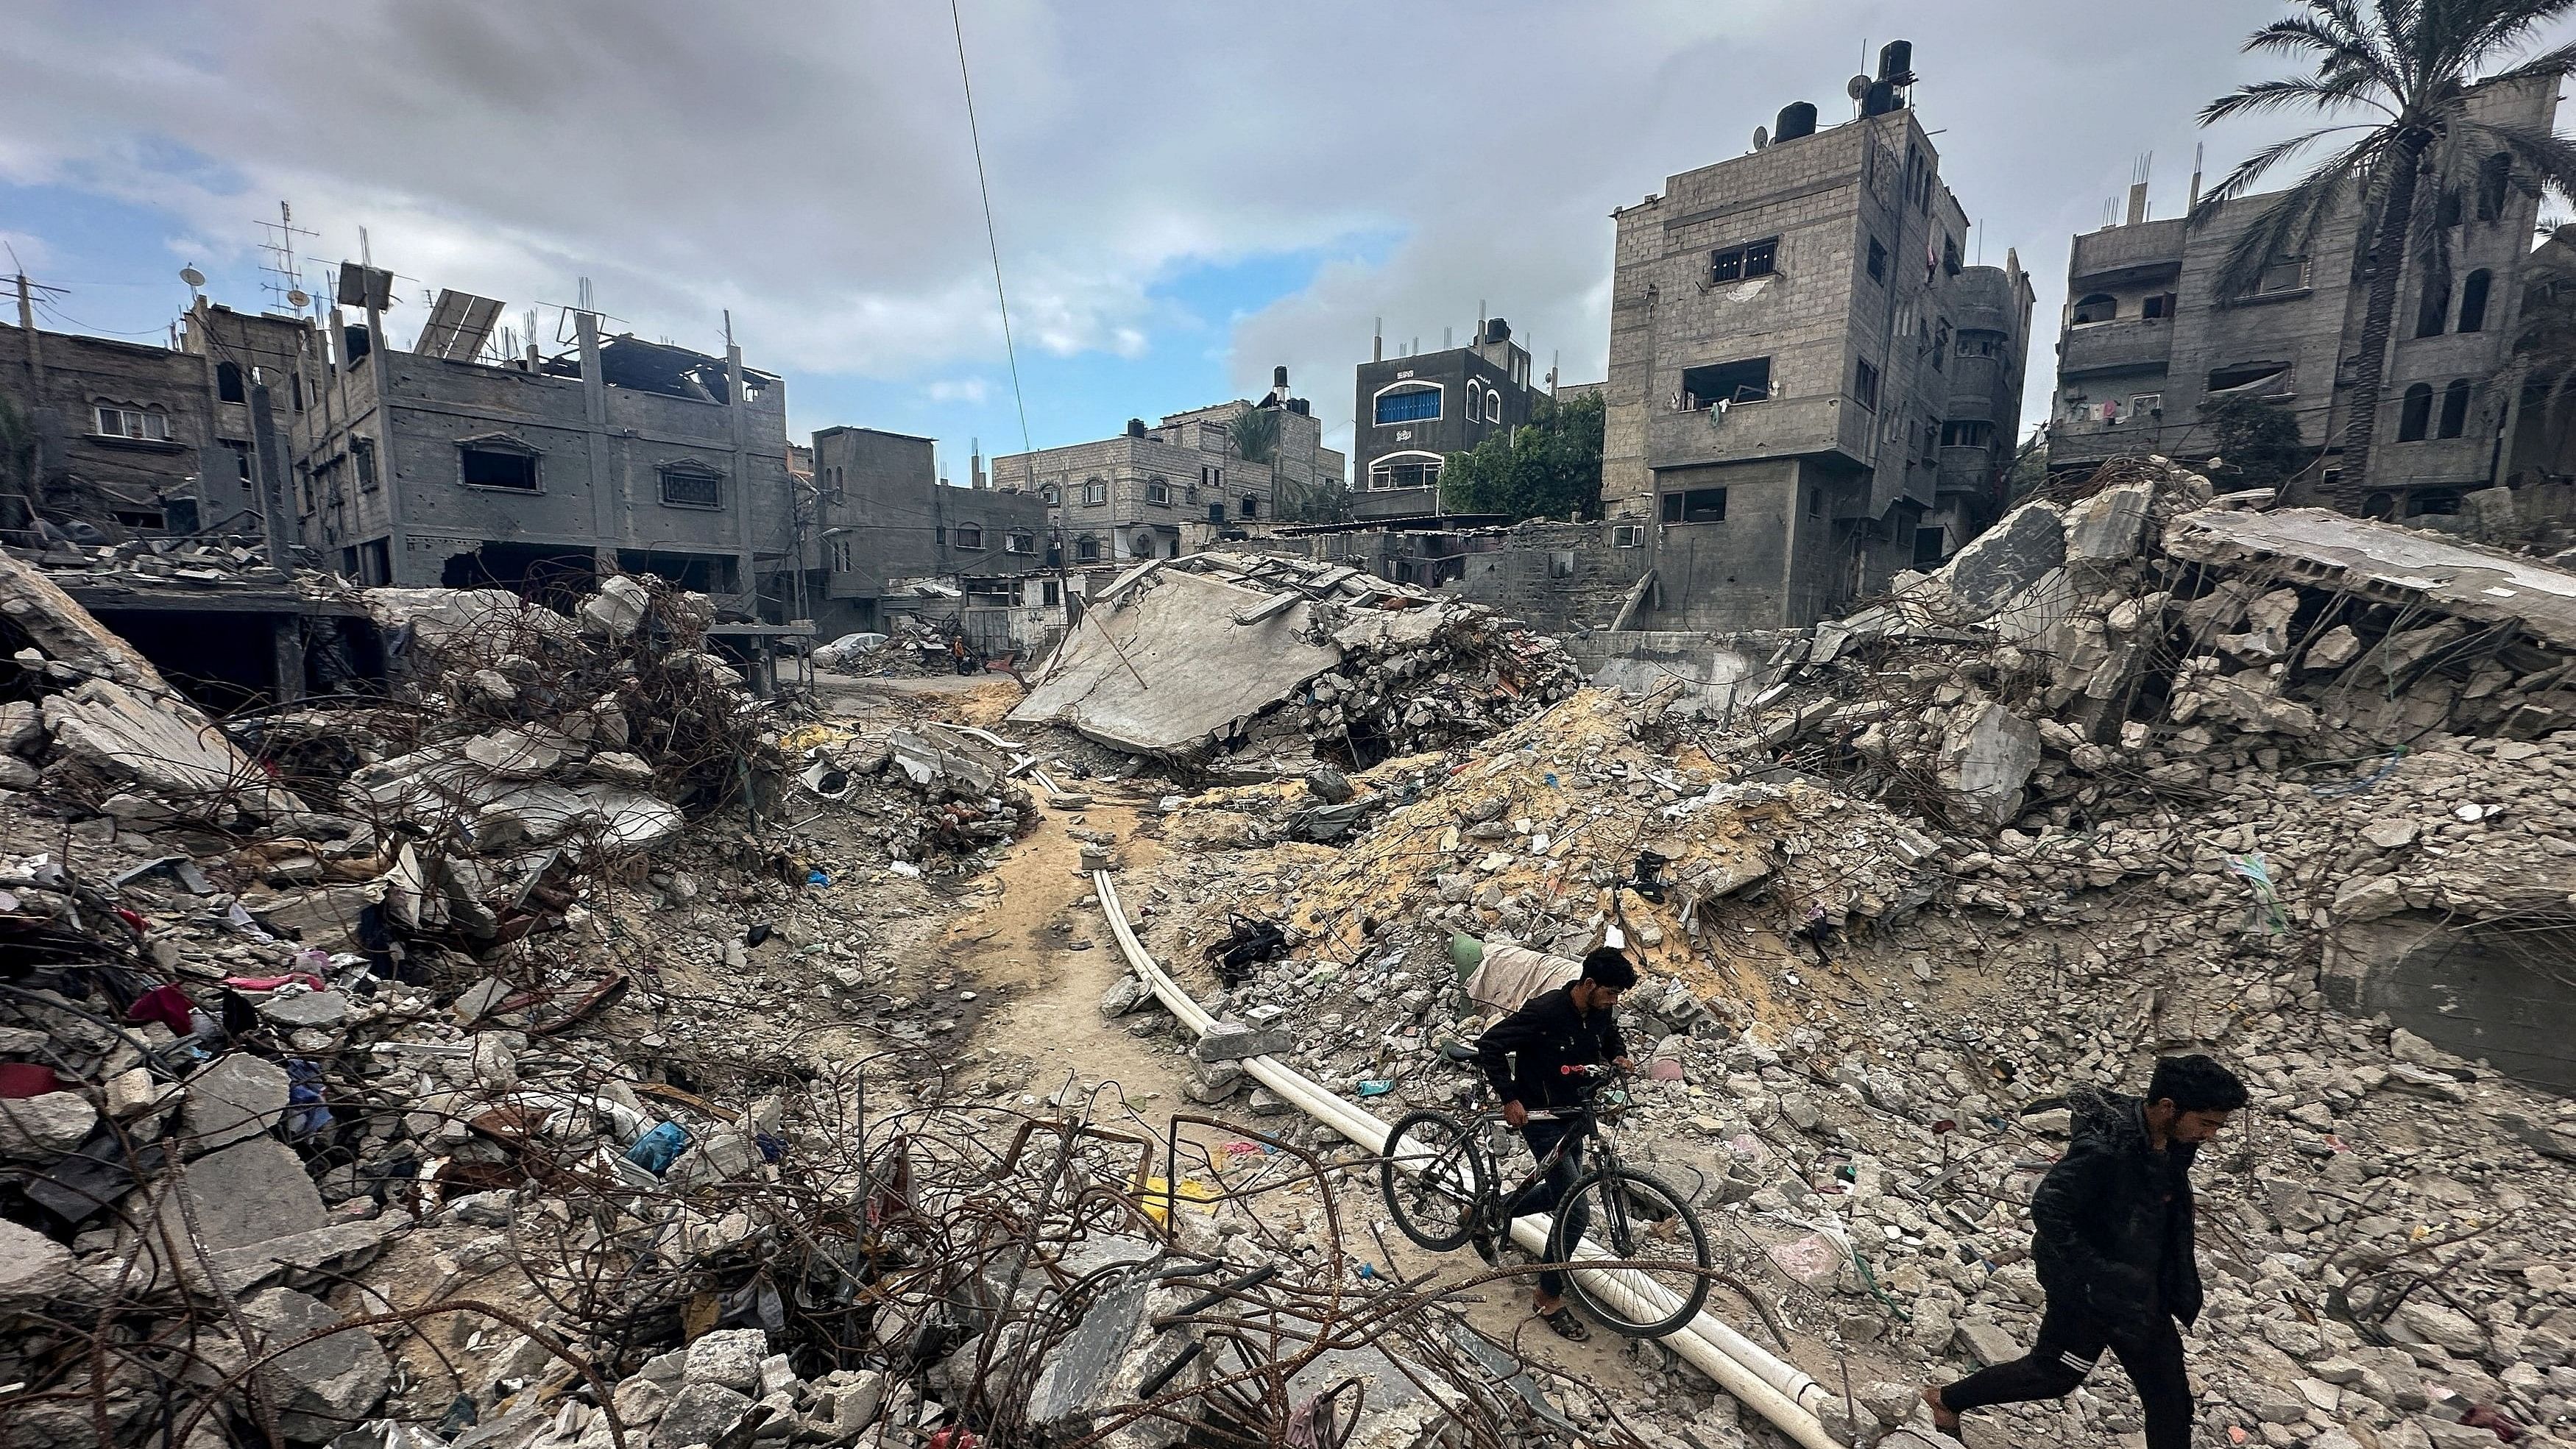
[[1135, 427], [1896, 60], [1796, 119], [1279, 377], [1497, 330], [1880, 99]]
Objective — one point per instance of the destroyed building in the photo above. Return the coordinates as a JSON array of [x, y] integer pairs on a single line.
[[2148, 341], [1148, 491], [449, 463], [884, 521], [1810, 388], [131, 438], [1412, 412]]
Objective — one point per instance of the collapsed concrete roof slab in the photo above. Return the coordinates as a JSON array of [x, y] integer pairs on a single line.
[[1168, 667], [2387, 563]]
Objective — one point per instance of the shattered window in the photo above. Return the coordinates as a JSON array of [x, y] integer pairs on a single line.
[[970, 535], [2249, 377], [497, 468], [1020, 543]]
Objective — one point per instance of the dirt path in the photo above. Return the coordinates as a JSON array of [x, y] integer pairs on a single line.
[[1024, 935]]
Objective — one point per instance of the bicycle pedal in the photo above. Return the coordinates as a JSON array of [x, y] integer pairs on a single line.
[[1489, 1248]]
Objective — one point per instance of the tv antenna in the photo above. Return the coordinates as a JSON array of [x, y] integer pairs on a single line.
[[279, 244]]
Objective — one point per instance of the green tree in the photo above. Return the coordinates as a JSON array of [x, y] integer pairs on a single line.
[[2395, 77], [1548, 468], [2257, 440], [1254, 432], [2029, 470]]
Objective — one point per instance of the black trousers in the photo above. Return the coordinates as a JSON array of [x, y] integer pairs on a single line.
[[1543, 1134], [2071, 1341]]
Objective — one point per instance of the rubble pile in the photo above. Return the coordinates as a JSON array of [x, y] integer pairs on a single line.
[[2118, 782], [939, 796], [1284, 661]]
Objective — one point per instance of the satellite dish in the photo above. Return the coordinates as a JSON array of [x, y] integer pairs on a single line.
[[298, 298], [1761, 137], [1856, 87], [192, 276]]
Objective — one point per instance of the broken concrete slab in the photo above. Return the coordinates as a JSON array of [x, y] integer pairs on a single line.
[[2108, 526], [2388, 564], [69, 634], [163, 745], [2007, 558], [1166, 668], [246, 1194], [1231, 1041], [616, 610], [305, 1009], [44, 1127], [34, 1269], [1986, 758], [321, 1388], [325, 918]]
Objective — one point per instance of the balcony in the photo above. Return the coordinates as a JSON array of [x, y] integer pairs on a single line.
[[2075, 441], [1788, 427], [2137, 344], [2123, 254]]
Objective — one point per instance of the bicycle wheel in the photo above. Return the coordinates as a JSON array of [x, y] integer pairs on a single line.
[[1635, 1216], [1435, 1179]]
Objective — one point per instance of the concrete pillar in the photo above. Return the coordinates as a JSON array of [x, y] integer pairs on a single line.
[[286, 637]]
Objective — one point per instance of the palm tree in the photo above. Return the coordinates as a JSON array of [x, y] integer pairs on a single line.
[[1254, 431], [2403, 70]]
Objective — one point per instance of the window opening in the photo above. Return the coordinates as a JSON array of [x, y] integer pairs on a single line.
[[2455, 408], [1727, 382], [1695, 505], [2415, 413]]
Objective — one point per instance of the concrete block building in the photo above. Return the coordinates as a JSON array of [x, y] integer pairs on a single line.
[[1412, 412], [1130, 497], [2148, 337], [134, 438], [449, 464], [884, 522], [1809, 388]]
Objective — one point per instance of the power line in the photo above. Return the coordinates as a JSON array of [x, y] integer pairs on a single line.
[[992, 239]]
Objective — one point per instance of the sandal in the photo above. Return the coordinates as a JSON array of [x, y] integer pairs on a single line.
[[1567, 1326]]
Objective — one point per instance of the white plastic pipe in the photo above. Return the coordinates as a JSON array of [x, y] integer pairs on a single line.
[[1772, 1387]]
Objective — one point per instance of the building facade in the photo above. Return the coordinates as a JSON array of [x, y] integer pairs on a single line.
[[131, 438], [1410, 413], [447, 465], [1794, 334], [884, 524], [2149, 340], [1134, 495]]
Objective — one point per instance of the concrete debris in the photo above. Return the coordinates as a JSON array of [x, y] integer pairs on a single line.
[[1192, 657]]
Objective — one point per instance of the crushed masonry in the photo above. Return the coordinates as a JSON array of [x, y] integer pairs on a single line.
[[550, 1043]]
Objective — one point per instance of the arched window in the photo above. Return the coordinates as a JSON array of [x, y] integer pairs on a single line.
[[2100, 307], [2433, 308], [2379, 505], [1493, 407], [2473, 300], [228, 382], [1404, 470], [2446, 211], [2455, 408], [1052, 494], [2415, 418], [1475, 401]]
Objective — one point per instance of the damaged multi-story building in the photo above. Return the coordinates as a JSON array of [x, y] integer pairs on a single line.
[[1810, 387], [890, 539], [458, 462], [1146, 492], [1411, 412], [133, 438], [2150, 340]]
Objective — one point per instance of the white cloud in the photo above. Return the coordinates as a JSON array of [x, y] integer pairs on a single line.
[[806, 165], [957, 389]]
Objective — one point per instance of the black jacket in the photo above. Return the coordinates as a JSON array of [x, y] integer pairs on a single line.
[[2114, 1218], [1521, 1053]]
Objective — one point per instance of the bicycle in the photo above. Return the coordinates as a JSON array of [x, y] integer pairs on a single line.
[[1438, 1173]]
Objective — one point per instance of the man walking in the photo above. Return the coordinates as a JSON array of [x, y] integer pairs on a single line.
[[2113, 1244], [1523, 1056]]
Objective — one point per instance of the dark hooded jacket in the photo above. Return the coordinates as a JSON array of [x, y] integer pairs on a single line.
[[2114, 1218], [1523, 1054]]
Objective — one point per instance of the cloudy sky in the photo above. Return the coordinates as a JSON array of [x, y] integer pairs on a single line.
[[1185, 193]]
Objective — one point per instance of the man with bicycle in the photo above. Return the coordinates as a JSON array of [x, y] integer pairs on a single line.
[[1524, 1056]]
